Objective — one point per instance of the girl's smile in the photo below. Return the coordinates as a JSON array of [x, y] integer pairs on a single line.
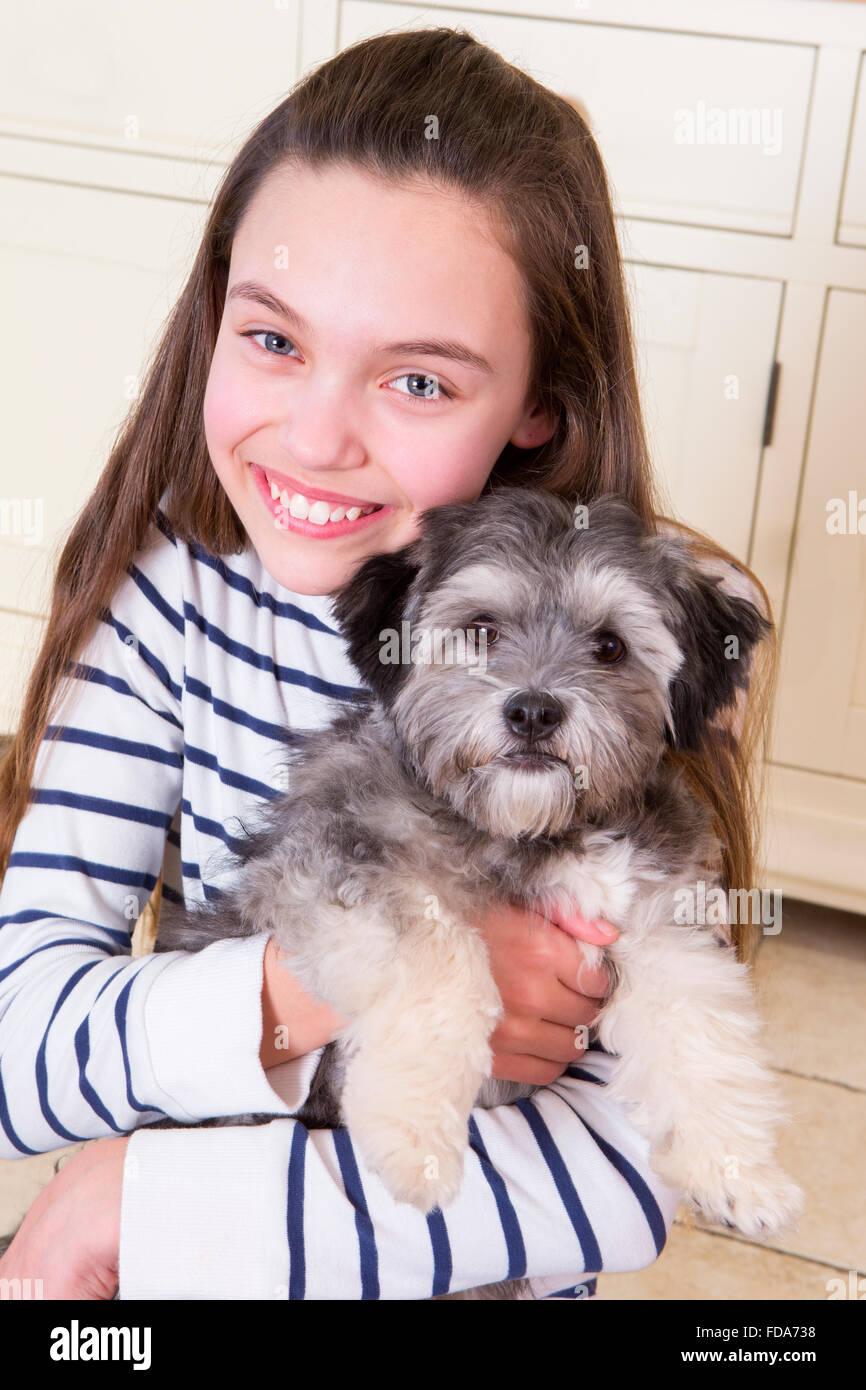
[[313, 512]]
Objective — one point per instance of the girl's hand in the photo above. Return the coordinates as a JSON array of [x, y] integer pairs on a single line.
[[70, 1237], [548, 990]]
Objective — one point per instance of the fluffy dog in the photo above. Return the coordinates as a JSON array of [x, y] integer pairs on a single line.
[[532, 764]]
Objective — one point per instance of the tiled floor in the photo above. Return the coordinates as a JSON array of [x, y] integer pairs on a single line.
[[811, 980]]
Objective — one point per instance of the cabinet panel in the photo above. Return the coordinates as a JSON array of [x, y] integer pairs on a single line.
[[852, 217], [190, 77], [88, 278], [705, 349], [693, 128], [822, 693]]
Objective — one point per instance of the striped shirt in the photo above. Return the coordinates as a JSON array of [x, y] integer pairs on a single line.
[[171, 733]]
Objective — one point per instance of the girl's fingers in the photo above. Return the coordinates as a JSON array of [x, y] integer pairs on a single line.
[[549, 1042], [563, 1008], [579, 969], [596, 931]]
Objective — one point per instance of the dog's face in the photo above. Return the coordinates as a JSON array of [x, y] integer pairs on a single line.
[[535, 670]]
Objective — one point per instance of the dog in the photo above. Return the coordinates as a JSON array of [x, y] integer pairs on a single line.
[[533, 762]]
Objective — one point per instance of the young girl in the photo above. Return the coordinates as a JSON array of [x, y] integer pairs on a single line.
[[390, 309]]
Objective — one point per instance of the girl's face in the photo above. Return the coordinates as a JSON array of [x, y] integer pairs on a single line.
[[373, 349]]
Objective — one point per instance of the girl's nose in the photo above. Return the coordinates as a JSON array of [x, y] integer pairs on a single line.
[[318, 432]]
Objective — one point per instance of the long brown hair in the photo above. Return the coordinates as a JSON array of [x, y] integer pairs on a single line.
[[526, 156]]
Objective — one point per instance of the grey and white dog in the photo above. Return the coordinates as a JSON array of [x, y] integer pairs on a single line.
[[542, 774]]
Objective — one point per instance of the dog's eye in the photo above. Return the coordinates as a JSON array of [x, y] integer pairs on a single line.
[[608, 648], [488, 624]]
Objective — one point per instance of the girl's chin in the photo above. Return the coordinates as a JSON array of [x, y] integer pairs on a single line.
[[312, 572]]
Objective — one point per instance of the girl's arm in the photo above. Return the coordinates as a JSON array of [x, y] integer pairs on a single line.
[[554, 1187], [92, 1042]]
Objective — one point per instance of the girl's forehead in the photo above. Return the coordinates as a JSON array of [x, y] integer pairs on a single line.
[[414, 226]]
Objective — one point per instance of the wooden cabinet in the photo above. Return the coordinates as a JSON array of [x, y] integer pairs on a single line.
[[821, 723], [706, 345], [88, 277]]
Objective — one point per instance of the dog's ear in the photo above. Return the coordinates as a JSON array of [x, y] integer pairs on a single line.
[[374, 600], [717, 634]]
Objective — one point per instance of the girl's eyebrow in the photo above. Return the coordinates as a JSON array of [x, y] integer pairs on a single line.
[[419, 347]]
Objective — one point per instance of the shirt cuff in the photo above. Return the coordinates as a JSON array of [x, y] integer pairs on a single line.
[[197, 1214], [203, 1024]]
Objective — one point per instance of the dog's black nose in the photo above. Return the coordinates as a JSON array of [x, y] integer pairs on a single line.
[[533, 714]]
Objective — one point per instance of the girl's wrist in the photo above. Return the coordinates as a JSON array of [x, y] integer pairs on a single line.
[[293, 1023]]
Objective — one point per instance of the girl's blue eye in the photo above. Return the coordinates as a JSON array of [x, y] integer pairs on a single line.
[[265, 333], [431, 387]]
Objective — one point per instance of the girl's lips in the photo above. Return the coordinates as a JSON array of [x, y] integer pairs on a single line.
[[284, 521]]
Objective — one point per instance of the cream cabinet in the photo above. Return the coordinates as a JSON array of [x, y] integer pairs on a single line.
[[735, 138], [706, 347], [822, 711], [88, 277]]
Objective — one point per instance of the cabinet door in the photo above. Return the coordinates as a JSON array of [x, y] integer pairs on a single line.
[[705, 346], [821, 722], [88, 277]]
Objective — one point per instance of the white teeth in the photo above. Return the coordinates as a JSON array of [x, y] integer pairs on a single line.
[[318, 510]]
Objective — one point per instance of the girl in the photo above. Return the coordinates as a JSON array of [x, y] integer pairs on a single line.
[[386, 313]]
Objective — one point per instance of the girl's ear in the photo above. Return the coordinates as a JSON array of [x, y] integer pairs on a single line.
[[717, 634], [374, 600]]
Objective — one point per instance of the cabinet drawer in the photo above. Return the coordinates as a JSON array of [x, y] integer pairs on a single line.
[[187, 78], [852, 215], [693, 128]]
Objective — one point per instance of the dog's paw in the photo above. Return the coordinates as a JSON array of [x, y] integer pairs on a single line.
[[416, 1172], [419, 1163], [761, 1202], [757, 1199]]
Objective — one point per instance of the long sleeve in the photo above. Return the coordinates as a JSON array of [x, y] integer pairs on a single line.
[[554, 1188], [92, 1041]]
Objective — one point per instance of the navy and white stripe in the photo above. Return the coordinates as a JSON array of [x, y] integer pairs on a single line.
[[171, 734]]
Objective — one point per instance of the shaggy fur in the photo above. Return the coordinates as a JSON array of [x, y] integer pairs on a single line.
[[541, 775]]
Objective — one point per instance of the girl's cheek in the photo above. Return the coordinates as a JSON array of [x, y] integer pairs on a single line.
[[447, 475], [226, 420]]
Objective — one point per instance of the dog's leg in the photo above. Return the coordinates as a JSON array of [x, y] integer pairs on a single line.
[[419, 1055], [685, 1024], [414, 982]]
